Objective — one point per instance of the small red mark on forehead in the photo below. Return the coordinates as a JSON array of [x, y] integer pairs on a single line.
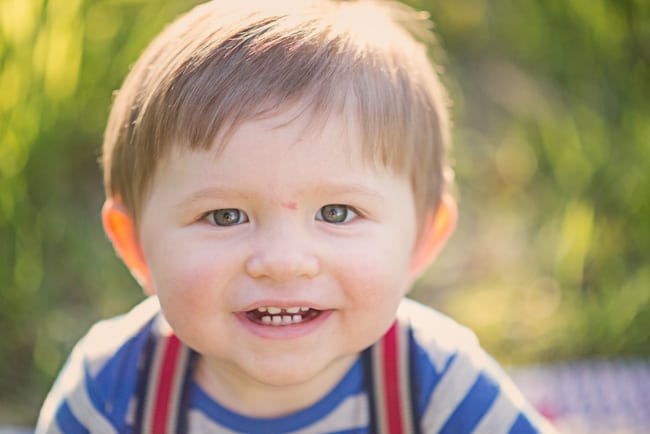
[[289, 205]]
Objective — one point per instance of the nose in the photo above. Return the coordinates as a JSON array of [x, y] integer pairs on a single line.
[[282, 254]]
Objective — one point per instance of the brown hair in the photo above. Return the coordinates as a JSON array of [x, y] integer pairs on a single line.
[[220, 65]]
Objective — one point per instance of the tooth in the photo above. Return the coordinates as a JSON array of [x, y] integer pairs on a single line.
[[266, 319], [261, 309], [304, 309], [293, 310], [276, 320], [297, 318], [286, 319], [273, 310]]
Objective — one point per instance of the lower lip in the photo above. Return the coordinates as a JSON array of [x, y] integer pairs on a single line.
[[290, 331]]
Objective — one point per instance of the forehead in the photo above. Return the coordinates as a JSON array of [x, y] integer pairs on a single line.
[[301, 126]]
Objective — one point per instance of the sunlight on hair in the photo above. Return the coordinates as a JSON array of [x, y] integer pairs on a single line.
[[367, 22], [371, 30]]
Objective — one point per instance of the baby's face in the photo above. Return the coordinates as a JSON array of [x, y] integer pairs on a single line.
[[283, 256]]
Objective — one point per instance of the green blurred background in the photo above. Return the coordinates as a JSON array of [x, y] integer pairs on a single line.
[[552, 155]]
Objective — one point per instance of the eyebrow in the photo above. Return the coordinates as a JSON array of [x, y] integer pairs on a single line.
[[213, 192], [350, 189]]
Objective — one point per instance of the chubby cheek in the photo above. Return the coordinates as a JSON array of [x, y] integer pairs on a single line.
[[189, 284], [383, 265], [374, 282]]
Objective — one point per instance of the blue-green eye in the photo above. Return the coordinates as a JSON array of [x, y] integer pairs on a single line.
[[336, 214], [227, 217]]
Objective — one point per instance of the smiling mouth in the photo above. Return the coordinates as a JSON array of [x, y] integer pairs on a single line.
[[275, 316]]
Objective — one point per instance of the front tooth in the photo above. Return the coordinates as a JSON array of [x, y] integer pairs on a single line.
[[293, 310], [286, 319], [304, 309], [276, 320], [261, 309], [266, 319], [297, 318], [273, 310]]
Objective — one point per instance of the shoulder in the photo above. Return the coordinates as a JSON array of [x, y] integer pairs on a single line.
[[437, 334], [461, 388], [96, 385], [107, 338]]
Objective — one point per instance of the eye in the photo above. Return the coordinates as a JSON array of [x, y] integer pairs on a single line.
[[336, 214], [227, 217]]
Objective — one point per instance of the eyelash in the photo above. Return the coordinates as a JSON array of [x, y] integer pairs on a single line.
[[215, 217]]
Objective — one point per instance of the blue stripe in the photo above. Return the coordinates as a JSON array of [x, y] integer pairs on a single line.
[[67, 421], [428, 376], [93, 393], [369, 385], [471, 410], [522, 426], [414, 381]]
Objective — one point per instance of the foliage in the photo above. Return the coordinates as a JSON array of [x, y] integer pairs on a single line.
[[552, 153], [551, 101]]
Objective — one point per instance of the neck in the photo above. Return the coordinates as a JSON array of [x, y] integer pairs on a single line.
[[238, 392]]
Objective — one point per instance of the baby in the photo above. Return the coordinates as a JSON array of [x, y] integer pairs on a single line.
[[276, 181]]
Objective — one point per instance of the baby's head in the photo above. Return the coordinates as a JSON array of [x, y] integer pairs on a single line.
[[223, 64], [267, 173]]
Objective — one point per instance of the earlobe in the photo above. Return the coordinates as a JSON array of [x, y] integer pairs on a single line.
[[120, 229], [437, 229]]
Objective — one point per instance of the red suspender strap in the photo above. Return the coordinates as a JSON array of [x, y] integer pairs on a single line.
[[166, 368], [391, 394], [165, 386]]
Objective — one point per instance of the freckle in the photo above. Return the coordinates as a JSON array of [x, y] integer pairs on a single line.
[[289, 205]]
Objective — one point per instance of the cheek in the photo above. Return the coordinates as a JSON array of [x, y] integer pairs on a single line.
[[376, 274], [191, 287], [186, 276], [373, 284]]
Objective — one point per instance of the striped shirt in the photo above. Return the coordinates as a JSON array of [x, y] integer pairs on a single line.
[[460, 388]]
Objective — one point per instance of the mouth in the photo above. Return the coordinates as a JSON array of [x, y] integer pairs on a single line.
[[278, 317]]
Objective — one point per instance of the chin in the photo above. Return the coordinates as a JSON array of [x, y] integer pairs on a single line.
[[283, 376], [291, 371]]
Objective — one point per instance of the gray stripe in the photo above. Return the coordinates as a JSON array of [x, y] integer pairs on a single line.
[[86, 413], [351, 414], [449, 393]]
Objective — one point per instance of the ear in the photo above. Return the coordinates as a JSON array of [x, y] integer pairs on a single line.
[[436, 230], [121, 230]]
